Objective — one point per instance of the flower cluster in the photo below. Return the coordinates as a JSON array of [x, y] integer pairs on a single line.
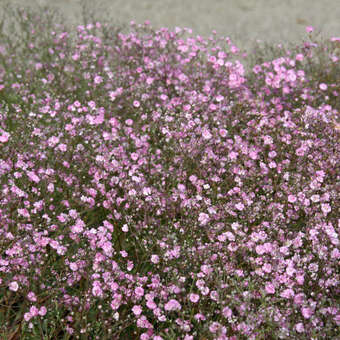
[[153, 188]]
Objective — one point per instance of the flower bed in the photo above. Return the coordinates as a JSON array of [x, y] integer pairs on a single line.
[[151, 188]]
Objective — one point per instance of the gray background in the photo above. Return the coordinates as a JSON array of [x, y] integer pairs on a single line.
[[244, 21]]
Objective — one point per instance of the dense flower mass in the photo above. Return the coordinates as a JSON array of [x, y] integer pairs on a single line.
[[153, 188]]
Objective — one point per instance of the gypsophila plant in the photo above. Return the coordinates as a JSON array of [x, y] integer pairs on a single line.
[[153, 187]]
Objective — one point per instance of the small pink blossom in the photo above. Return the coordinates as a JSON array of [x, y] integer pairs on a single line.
[[172, 305], [13, 286], [42, 311], [154, 258], [34, 311], [227, 312], [139, 291], [32, 297], [299, 327], [137, 310], [326, 208], [323, 87], [203, 218], [306, 312], [27, 316], [270, 289], [194, 298], [151, 304], [4, 137], [206, 134], [291, 199]]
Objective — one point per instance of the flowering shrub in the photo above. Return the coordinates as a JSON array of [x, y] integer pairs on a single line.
[[153, 188]]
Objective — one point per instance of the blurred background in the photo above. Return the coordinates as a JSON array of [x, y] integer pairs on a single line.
[[243, 21]]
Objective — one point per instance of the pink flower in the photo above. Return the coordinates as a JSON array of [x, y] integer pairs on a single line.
[[42, 311], [323, 87], [270, 289], [206, 134], [223, 132], [287, 293], [27, 316], [291, 198], [151, 304], [306, 312], [172, 305], [4, 137], [34, 311], [203, 218], [298, 299], [137, 310], [300, 279], [98, 79], [299, 327], [227, 312], [97, 291], [213, 328], [309, 29], [194, 298], [31, 296], [139, 291], [13, 286], [136, 103], [239, 206], [154, 258], [326, 208]]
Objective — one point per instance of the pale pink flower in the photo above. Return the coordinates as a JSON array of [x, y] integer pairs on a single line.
[[306, 312], [172, 305], [34, 311], [139, 291], [27, 316], [227, 312], [194, 298], [291, 198], [270, 289], [98, 79], [137, 310], [239, 206], [73, 266], [154, 258], [4, 137], [299, 327], [206, 134], [298, 299], [323, 87], [151, 304], [32, 297], [13, 286], [223, 132], [326, 208], [42, 311], [203, 218]]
